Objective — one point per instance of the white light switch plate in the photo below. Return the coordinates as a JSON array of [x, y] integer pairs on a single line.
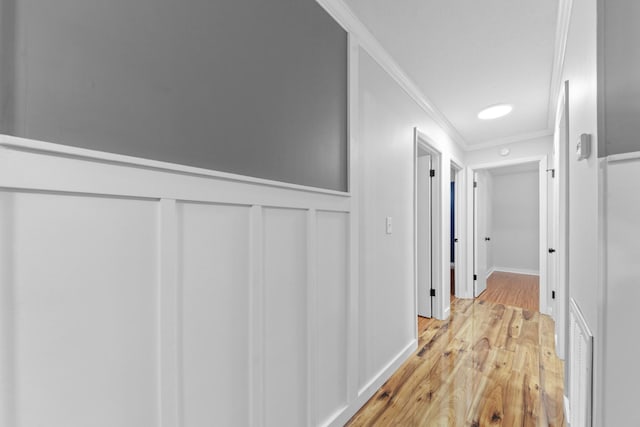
[[389, 225]]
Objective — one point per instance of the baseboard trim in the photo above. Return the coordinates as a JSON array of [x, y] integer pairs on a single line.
[[567, 410], [490, 272], [516, 270], [373, 385]]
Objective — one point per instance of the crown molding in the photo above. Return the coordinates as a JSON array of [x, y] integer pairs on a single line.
[[560, 46], [352, 24], [511, 139]]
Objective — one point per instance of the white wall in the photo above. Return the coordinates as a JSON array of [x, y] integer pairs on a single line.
[[515, 222], [387, 118], [580, 69], [517, 150]]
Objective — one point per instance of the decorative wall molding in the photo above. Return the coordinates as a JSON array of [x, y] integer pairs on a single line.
[[27, 164], [581, 367], [617, 291], [24, 144], [223, 252], [624, 157], [353, 344]]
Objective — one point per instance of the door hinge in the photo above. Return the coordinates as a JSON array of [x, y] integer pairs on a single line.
[[475, 277], [475, 184], [553, 294], [551, 250], [433, 292], [432, 173]]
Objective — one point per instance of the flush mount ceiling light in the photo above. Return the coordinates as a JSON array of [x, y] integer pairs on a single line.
[[495, 111]]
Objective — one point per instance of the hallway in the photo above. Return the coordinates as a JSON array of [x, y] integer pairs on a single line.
[[489, 364], [234, 212]]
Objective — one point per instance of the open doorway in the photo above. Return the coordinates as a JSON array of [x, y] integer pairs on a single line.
[[482, 196], [454, 228], [509, 229], [427, 197]]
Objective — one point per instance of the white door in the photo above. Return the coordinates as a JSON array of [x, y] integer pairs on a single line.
[[552, 240], [480, 238], [424, 238]]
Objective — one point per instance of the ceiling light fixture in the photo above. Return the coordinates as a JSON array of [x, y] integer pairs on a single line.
[[495, 111]]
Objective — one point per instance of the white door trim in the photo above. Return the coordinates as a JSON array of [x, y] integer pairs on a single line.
[[542, 183], [423, 143], [561, 164]]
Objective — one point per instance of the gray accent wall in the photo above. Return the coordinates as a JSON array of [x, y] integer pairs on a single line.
[[620, 75], [252, 87], [7, 65]]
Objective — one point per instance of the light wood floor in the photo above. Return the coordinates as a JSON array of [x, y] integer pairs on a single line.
[[489, 364], [519, 290]]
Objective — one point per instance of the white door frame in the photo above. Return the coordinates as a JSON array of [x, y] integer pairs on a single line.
[[543, 247], [476, 235], [561, 166], [422, 143]]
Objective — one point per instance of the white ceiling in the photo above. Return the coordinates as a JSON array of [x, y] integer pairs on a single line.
[[467, 54]]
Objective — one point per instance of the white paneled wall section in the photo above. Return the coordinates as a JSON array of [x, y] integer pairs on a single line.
[[621, 271], [138, 293]]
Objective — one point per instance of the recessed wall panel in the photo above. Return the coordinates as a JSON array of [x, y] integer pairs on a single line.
[[83, 309], [332, 292], [285, 282], [214, 280]]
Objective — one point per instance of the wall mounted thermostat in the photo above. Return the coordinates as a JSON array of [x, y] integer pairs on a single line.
[[583, 147]]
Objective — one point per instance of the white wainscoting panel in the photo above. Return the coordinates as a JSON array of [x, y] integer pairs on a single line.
[[285, 272], [144, 294], [85, 306], [214, 279], [619, 338], [332, 297]]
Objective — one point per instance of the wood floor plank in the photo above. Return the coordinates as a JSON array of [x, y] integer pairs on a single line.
[[517, 290], [489, 364]]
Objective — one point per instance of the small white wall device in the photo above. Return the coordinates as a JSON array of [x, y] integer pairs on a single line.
[[583, 147]]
